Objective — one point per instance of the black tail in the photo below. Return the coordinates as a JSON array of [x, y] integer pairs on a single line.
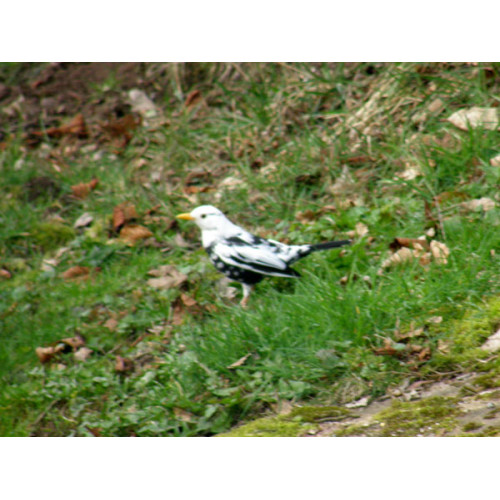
[[329, 244]]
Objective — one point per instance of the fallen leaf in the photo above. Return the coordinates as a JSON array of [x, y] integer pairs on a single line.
[[122, 214], [411, 172], [390, 348], [111, 324], [83, 221], [123, 365], [424, 354], [45, 354], [440, 252], [415, 243], [83, 189], [188, 301], [82, 354], [75, 127], [360, 229], [194, 97], [5, 274], [168, 276], [134, 233], [119, 130], [74, 342], [411, 333], [76, 272], [197, 189], [479, 204], [495, 161], [475, 117], [183, 414], [435, 320], [306, 216], [402, 255], [142, 104], [240, 362]]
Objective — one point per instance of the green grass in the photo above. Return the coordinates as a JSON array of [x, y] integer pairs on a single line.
[[306, 339]]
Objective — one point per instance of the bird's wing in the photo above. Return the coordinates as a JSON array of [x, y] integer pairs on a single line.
[[252, 253]]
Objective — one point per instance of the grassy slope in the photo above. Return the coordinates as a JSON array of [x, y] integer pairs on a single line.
[[285, 132]]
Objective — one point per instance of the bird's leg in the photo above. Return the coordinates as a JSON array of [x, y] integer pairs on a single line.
[[246, 294]]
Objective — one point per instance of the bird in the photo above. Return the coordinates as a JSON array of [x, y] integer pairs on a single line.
[[243, 256]]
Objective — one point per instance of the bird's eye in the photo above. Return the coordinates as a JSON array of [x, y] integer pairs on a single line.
[[203, 216]]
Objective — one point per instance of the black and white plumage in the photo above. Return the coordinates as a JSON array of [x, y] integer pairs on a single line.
[[244, 257]]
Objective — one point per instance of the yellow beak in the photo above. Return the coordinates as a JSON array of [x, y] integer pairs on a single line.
[[185, 216]]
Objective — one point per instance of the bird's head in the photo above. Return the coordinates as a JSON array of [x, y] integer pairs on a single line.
[[206, 217]]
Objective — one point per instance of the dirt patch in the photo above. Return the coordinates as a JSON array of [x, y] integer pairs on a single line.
[[38, 96]]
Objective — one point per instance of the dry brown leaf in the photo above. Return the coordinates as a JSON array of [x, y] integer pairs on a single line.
[[449, 196], [83, 189], [5, 274], [183, 415], [411, 172], [76, 272], [440, 252], [133, 233], [411, 333], [82, 354], [188, 301], [360, 229], [388, 349], [111, 324], [75, 127], [178, 313], [192, 99], [168, 276], [45, 354], [306, 216], [240, 362], [120, 129], [122, 214], [74, 342], [415, 243], [402, 255], [495, 161], [123, 365], [83, 221], [475, 117], [479, 204], [197, 189], [424, 354]]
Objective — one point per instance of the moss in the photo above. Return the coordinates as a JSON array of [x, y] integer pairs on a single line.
[[465, 336], [488, 381], [472, 426], [430, 416], [271, 427], [49, 235], [490, 431], [298, 422]]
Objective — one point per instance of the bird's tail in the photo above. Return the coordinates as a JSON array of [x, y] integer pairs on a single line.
[[329, 244]]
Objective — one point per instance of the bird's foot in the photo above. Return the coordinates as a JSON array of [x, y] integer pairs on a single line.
[[244, 302]]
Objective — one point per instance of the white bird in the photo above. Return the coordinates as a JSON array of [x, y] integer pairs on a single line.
[[244, 257]]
